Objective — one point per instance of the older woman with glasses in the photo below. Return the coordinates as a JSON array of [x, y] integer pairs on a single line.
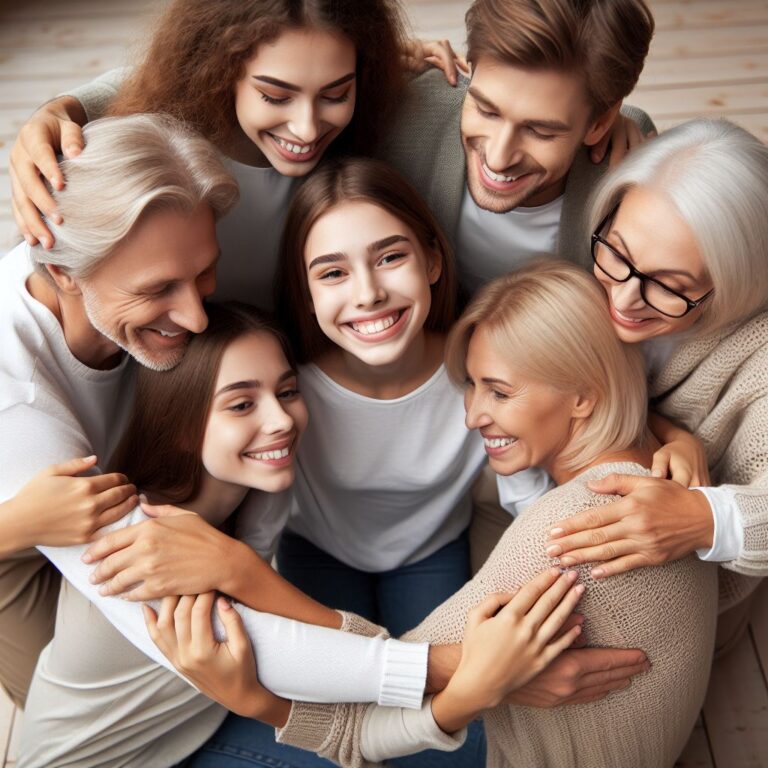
[[680, 246]]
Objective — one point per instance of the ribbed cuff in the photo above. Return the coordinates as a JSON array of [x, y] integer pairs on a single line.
[[308, 725], [405, 674]]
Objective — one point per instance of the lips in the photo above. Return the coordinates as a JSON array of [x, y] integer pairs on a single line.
[[500, 182], [377, 328], [275, 455], [165, 337], [498, 444], [626, 321], [295, 151]]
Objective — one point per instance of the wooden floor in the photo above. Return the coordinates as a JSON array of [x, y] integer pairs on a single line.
[[708, 57]]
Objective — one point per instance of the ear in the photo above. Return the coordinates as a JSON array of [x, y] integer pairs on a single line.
[[583, 405], [601, 125], [434, 264], [63, 280]]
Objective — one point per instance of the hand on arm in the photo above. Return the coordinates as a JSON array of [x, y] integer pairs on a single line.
[[56, 508], [179, 553], [579, 676], [508, 640], [656, 521], [621, 138], [55, 127], [419, 55], [681, 457], [226, 671]]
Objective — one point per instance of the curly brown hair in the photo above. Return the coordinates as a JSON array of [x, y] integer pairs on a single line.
[[200, 48]]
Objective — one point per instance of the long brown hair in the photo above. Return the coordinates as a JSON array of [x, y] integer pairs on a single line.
[[200, 48], [369, 181], [161, 449]]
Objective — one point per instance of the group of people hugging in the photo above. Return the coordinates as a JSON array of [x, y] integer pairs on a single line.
[[311, 345]]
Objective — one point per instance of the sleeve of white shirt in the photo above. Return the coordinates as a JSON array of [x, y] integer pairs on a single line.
[[295, 660], [728, 537], [390, 732], [518, 491]]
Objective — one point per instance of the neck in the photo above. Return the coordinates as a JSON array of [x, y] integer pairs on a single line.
[[89, 346], [390, 381], [641, 454], [216, 499]]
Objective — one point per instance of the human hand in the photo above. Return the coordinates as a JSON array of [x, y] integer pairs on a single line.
[[623, 136], [508, 640], [223, 671], [682, 460], [177, 553], [656, 521], [56, 508], [53, 128], [579, 676], [419, 55]]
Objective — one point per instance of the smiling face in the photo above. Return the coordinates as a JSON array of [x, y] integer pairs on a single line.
[[256, 416], [369, 280], [147, 296], [524, 422], [296, 97], [521, 130], [652, 237]]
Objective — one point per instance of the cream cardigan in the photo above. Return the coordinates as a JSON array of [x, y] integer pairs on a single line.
[[716, 386]]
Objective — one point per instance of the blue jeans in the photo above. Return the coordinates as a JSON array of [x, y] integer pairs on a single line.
[[398, 599], [242, 743]]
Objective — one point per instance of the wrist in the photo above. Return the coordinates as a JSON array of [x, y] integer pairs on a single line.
[[66, 108], [704, 526], [268, 708], [442, 663], [16, 533], [238, 558], [453, 708]]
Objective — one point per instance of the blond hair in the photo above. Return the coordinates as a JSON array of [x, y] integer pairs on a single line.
[[130, 165], [715, 177], [550, 319]]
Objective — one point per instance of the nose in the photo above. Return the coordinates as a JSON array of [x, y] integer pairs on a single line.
[[304, 122], [368, 292], [477, 417], [276, 418], [503, 150], [188, 311], [627, 296]]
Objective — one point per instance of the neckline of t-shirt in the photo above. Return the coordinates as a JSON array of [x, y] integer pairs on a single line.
[[323, 377], [524, 210]]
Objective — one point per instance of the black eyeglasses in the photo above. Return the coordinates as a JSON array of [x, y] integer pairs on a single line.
[[654, 293]]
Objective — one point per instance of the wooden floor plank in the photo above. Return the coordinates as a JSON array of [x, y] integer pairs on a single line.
[[759, 624], [703, 70], [704, 14], [736, 710], [756, 124], [696, 753], [675, 43], [26, 64]]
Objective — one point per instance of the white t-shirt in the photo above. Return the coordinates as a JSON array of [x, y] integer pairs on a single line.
[[383, 483], [493, 244], [249, 235]]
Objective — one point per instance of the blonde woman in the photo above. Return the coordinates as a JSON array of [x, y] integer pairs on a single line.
[[680, 246], [547, 383]]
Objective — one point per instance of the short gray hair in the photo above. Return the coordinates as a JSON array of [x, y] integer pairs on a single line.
[[130, 165], [715, 175]]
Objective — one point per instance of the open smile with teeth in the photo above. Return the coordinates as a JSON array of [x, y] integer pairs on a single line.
[[297, 149], [499, 177], [270, 455], [376, 326], [498, 442]]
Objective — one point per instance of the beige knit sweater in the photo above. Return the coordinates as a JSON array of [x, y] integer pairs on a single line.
[[716, 386], [667, 611]]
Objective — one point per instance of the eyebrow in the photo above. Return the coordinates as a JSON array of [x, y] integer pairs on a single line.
[[549, 125], [156, 285], [253, 383], [682, 272], [378, 245], [291, 87], [487, 380]]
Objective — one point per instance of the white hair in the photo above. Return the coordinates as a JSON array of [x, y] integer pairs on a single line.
[[715, 175], [130, 165]]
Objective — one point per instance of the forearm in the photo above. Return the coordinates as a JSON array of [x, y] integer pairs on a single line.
[[664, 430], [67, 108], [16, 533], [253, 582]]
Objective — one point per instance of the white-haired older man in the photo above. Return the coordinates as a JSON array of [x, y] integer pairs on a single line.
[[129, 273]]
